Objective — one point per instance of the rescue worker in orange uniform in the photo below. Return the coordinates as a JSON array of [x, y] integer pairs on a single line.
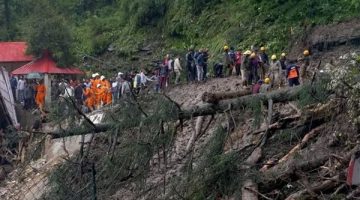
[[90, 99], [40, 96], [98, 96], [292, 73], [96, 90], [106, 91]]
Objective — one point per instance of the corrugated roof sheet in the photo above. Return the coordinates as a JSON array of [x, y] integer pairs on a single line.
[[14, 52], [45, 64]]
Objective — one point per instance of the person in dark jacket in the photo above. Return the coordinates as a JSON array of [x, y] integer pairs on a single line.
[[206, 58], [190, 65], [163, 76], [28, 96], [13, 84], [200, 62], [79, 93], [254, 63], [218, 70], [263, 63]]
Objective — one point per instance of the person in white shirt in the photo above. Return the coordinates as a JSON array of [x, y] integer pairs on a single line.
[[143, 78], [21, 88], [125, 89], [177, 69], [69, 91]]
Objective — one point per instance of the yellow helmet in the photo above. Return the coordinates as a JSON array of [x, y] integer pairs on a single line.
[[267, 81], [306, 52], [273, 57], [283, 54], [226, 48], [262, 49], [253, 55], [247, 52]]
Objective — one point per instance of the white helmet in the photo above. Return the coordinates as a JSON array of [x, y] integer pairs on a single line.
[[102, 77], [98, 85], [93, 75]]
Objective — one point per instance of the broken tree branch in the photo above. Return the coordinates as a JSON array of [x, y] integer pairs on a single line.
[[313, 133]]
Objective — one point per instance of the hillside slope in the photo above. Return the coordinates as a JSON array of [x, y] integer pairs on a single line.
[[120, 28]]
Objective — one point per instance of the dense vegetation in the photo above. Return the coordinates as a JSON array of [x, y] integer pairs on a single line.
[[90, 26]]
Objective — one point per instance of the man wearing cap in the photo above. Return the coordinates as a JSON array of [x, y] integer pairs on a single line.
[[245, 67]]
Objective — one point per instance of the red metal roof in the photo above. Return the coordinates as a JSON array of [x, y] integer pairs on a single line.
[[14, 52], [45, 65]]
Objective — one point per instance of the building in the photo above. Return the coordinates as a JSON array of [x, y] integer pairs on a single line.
[[13, 55]]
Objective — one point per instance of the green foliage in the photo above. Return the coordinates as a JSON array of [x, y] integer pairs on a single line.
[[120, 154], [256, 108], [214, 173], [318, 92], [48, 30], [95, 24]]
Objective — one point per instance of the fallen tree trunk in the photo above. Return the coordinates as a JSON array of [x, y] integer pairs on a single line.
[[313, 133], [214, 98], [278, 96]]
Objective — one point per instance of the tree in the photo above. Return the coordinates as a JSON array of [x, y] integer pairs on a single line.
[[48, 30]]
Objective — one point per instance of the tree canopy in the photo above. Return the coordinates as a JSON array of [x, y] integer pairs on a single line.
[[48, 30]]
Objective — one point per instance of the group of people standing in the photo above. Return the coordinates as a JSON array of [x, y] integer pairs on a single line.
[[30, 93], [252, 66]]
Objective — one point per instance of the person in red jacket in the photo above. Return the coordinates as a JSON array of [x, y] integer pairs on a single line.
[[238, 62]]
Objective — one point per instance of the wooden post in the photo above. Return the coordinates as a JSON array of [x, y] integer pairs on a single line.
[[47, 82]]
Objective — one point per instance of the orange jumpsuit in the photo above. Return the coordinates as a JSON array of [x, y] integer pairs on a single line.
[[90, 100], [106, 92], [96, 92], [40, 95]]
